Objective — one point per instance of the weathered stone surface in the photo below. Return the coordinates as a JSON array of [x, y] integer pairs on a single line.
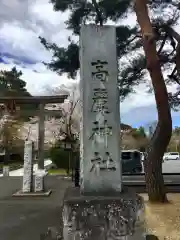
[[28, 167], [51, 234], [5, 171], [100, 123], [118, 217], [39, 181]]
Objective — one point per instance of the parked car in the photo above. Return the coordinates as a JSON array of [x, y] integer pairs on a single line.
[[171, 156], [131, 161]]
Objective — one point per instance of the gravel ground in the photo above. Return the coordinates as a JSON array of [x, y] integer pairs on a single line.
[[28, 218]]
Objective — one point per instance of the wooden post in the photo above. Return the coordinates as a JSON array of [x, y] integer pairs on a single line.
[[41, 137]]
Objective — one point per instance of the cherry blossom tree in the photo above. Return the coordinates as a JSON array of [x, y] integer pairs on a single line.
[[9, 132], [70, 121]]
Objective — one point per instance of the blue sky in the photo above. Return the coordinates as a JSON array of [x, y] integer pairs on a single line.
[[21, 22], [149, 113]]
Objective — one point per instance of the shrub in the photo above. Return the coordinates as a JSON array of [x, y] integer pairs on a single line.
[[59, 157], [47, 153]]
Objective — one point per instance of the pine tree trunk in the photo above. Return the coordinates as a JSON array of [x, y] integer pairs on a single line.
[[160, 140]]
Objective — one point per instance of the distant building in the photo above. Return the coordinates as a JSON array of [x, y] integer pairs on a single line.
[[125, 128]]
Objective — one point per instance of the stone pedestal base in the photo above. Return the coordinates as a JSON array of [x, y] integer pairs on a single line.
[[5, 171], [32, 194], [113, 217]]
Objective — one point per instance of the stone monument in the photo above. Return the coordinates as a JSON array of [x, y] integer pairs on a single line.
[[28, 167], [101, 209]]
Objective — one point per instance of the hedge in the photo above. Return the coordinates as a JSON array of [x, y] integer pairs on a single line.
[[63, 159], [59, 157]]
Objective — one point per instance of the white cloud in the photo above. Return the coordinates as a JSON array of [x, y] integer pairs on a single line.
[[36, 81], [44, 12], [140, 98], [53, 23], [21, 22], [20, 41], [14, 10]]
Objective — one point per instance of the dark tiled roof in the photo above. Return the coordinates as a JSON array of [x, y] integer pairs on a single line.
[[125, 126]]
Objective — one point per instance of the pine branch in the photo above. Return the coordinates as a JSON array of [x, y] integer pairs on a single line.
[[98, 12], [163, 43], [174, 34]]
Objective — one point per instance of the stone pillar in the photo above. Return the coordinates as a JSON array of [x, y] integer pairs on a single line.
[[39, 181], [41, 137], [100, 126], [28, 167]]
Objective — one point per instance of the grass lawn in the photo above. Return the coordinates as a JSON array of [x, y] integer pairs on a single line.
[[12, 164], [59, 171], [163, 220]]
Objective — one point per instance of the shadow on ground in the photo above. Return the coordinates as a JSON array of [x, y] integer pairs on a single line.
[[27, 218]]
